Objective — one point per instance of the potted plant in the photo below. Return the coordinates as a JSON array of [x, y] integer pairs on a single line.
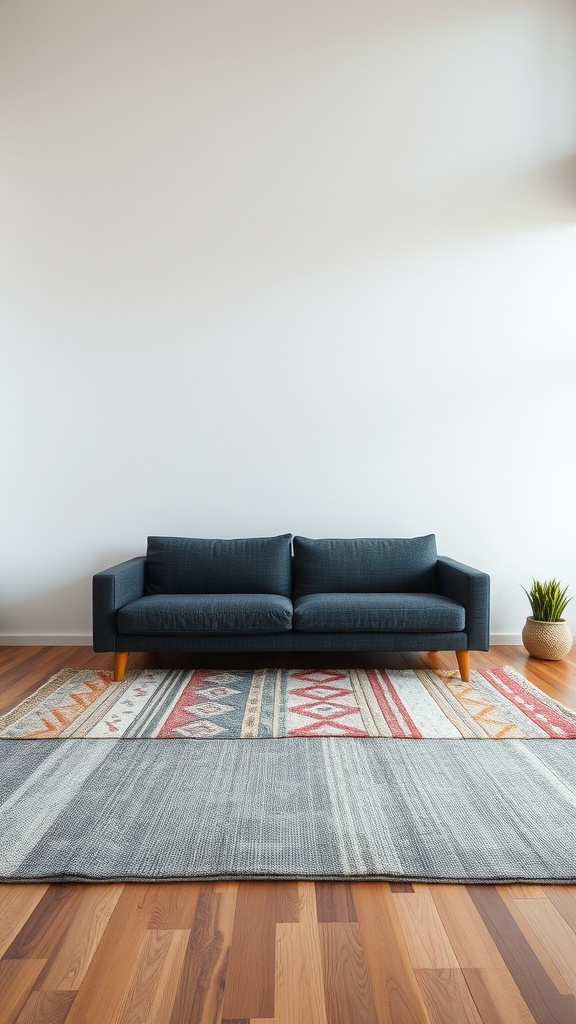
[[546, 634]]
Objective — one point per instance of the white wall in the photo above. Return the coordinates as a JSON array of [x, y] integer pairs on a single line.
[[285, 266]]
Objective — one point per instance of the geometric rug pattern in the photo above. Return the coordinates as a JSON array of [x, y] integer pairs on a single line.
[[497, 703]]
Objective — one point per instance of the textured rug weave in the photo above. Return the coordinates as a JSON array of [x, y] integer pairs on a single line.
[[497, 703], [288, 808]]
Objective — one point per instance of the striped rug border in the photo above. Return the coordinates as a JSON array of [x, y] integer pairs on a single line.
[[274, 703]]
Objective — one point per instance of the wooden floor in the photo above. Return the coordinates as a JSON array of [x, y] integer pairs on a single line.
[[285, 952]]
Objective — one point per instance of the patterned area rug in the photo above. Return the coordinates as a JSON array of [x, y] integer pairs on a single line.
[[497, 703]]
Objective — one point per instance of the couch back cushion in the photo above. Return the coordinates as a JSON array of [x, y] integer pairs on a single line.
[[369, 565], [191, 565]]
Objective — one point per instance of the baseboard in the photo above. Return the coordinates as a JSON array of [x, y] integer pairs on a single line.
[[45, 640], [506, 639], [82, 640]]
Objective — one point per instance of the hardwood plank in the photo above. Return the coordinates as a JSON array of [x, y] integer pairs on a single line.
[[150, 997], [17, 979], [174, 905], [250, 978], [287, 901], [46, 1008], [347, 988], [557, 936], [447, 996], [480, 989], [67, 968], [397, 996], [524, 892], [474, 948], [534, 938], [564, 899], [200, 987], [299, 974], [222, 885], [428, 945], [109, 974], [249, 990], [334, 902], [16, 904], [401, 887], [45, 926], [546, 1004]]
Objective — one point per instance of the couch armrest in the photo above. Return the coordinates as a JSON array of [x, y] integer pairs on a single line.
[[111, 589], [470, 588]]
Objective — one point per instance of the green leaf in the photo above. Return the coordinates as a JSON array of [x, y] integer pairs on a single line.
[[547, 599]]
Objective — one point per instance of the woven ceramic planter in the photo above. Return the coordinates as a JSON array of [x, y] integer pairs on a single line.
[[549, 641]]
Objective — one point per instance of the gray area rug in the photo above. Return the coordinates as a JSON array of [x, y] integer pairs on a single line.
[[96, 810]]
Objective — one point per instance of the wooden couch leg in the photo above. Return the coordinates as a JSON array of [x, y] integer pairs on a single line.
[[463, 658], [120, 659]]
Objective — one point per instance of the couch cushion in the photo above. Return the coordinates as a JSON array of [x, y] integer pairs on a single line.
[[364, 565], [206, 613], [189, 565], [379, 613]]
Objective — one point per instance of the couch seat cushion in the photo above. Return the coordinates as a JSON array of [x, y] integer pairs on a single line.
[[379, 613], [193, 565], [370, 565], [206, 613]]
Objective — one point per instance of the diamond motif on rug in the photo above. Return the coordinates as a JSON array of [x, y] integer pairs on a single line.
[[217, 692], [199, 730], [324, 710], [320, 676], [320, 692], [326, 718], [208, 709], [326, 707], [496, 703]]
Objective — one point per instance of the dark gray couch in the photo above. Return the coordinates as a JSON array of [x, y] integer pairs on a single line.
[[291, 594]]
